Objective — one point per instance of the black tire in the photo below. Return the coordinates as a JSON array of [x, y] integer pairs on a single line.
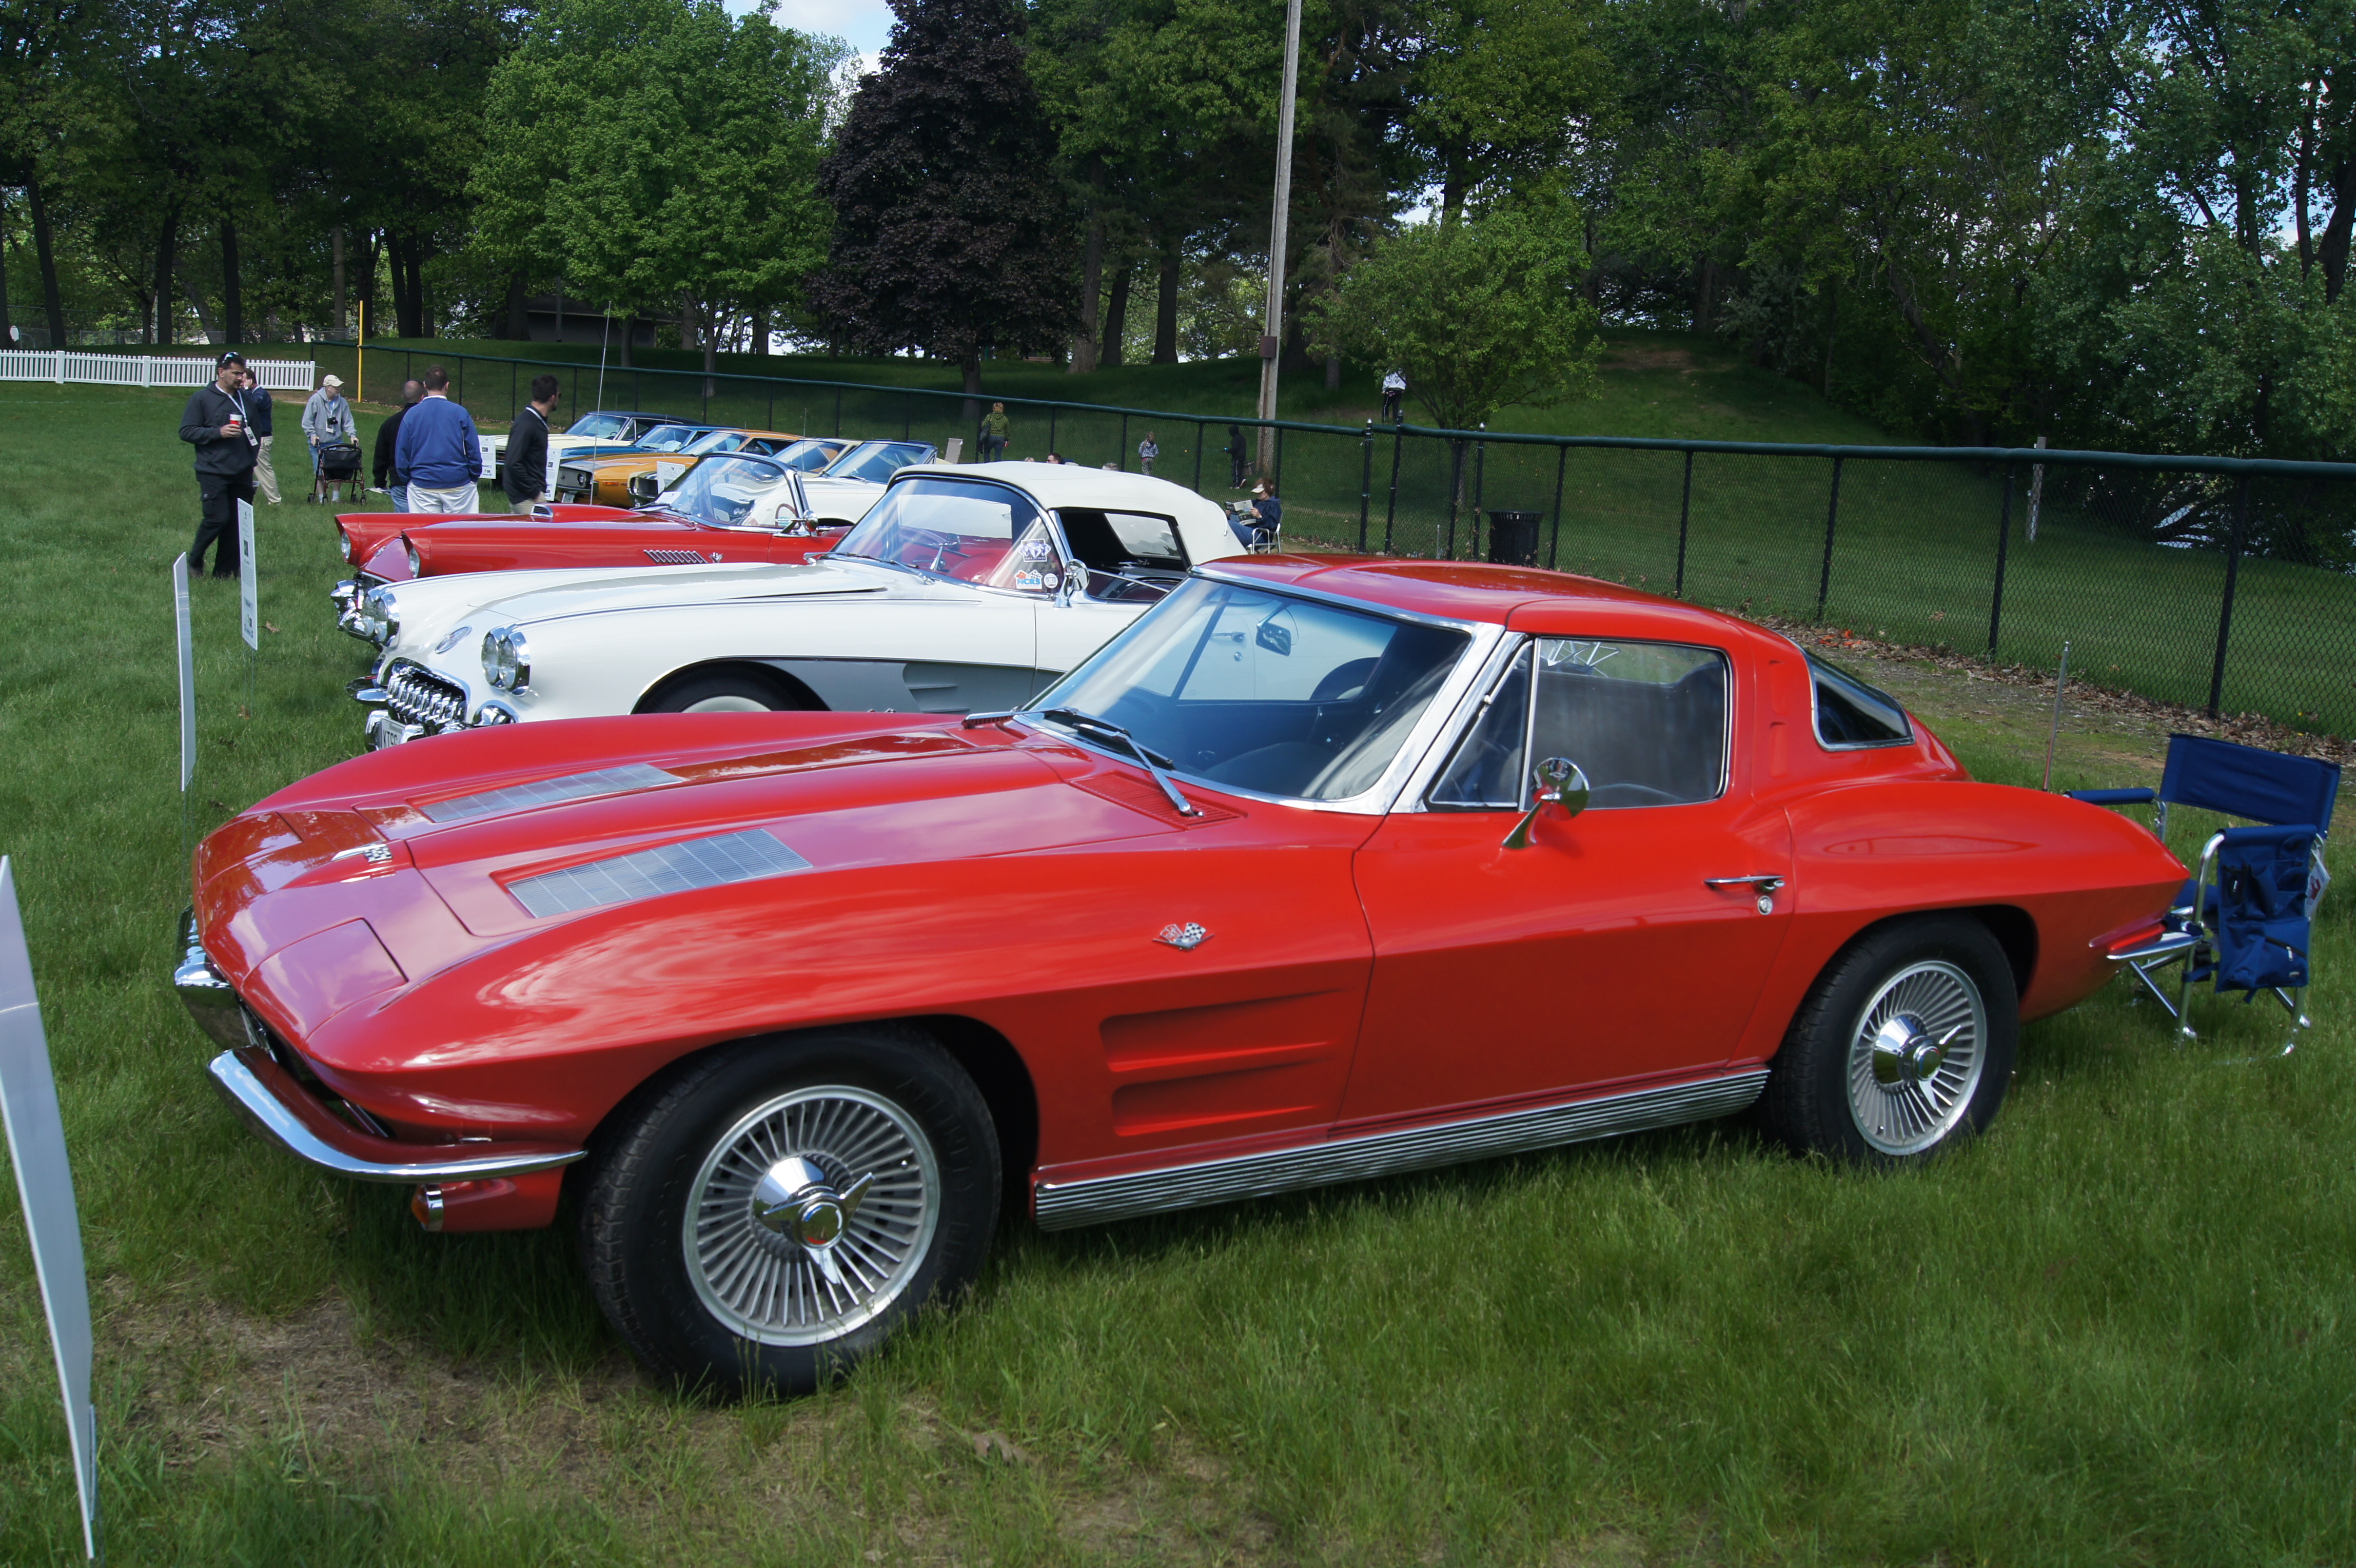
[[720, 690], [1858, 1079], [755, 1312]]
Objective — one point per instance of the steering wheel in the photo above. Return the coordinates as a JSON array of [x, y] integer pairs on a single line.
[[929, 542]]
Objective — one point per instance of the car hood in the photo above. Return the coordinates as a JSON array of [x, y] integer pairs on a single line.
[[441, 853], [429, 607]]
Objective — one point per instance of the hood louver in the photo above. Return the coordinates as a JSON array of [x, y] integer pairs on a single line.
[[548, 792], [744, 856]]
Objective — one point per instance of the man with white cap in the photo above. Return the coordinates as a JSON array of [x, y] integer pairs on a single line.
[[328, 421]]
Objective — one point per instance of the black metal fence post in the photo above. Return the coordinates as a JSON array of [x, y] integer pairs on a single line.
[[2003, 543], [1455, 490], [1832, 517], [1276, 467], [1561, 461], [1685, 520], [1366, 481], [511, 390], [1051, 427], [1480, 489], [1391, 517], [907, 416], [1121, 457], [838, 413], [1202, 434], [2225, 609], [770, 422]]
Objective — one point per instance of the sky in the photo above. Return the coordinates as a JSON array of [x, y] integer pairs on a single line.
[[865, 24]]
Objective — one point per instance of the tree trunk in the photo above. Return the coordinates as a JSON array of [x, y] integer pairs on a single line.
[[1832, 329], [207, 323], [685, 320], [1116, 324], [5, 342], [45, 251], [1452, 186], [1084, 346], [1705, 306], [2332, 251], [167, 245], [626, 336], [711, 335], [1165, 310], [233, 287], [1333, 373], [343, 317], [519, 323], [761, 332]]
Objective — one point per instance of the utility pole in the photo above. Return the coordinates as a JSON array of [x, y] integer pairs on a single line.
[[1272, 337]]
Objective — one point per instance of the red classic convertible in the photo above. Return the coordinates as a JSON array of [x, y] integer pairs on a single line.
[[712, 516], [1323, 869]]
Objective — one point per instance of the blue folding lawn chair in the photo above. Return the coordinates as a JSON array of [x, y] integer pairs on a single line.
[[2242, 922]]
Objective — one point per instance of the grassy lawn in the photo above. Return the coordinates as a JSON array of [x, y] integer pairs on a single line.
[[2116, 1330]]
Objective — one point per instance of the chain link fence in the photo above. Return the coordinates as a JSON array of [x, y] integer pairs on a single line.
[[2218, 583]]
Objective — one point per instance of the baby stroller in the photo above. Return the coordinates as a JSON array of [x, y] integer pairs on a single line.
[[340, 464]]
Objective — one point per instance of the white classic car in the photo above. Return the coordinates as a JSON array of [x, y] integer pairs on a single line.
[[964, 588]]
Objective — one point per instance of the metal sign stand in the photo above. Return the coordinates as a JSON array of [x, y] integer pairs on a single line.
[[37, 1148], [249, 599], [187, 700]]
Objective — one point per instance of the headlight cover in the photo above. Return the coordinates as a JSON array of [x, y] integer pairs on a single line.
[[507, 658], [410, 551], [344, 540], [381, 616]]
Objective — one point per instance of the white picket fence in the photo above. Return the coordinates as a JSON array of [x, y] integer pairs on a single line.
[[62, 365]]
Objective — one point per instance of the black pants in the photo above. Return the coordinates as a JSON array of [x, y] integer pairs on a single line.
[[1235, 469], [221, 493], [1391, 407]]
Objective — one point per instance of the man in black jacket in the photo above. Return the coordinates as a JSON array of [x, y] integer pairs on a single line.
[[218, 425], [388, 437], [523, 473], [257, 409]]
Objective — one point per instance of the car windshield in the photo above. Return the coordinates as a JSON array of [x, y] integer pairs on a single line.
[[877, 461], [807, 456], [716, 441], [599, 426], [966, 529], [1265, 692], [735, 490], [668, 438]]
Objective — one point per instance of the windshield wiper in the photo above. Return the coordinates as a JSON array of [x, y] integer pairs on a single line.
[[1154, 761]]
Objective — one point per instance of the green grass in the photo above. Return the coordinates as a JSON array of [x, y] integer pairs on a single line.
[[1914, 548], [2116, 1330]]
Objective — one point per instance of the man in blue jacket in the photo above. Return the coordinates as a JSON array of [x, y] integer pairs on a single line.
[[439, 451]]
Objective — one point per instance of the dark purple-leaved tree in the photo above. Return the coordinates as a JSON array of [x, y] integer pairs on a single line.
[[951, 232]]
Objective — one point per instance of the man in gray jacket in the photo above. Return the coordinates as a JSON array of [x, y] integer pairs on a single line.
[[218, 425], [328, 421]]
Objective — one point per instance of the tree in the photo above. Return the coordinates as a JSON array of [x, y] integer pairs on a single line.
[[1480, 314], [950, 233]]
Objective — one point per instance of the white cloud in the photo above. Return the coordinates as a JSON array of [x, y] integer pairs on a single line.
[[865, 24]]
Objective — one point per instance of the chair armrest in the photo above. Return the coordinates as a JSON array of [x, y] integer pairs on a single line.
[[2114, 797]]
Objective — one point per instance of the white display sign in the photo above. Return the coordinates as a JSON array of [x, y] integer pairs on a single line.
[[37, 1148], [249, 581], [187, 673]]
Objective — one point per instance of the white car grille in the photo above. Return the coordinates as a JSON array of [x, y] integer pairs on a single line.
[[416, 696]]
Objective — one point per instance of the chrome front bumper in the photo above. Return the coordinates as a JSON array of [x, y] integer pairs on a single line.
[[412, 702], [277, 1106]]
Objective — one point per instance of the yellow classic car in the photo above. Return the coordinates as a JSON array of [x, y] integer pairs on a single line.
[[636, 476]]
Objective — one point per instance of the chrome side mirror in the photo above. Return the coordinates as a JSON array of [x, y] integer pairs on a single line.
[[1557, 782]]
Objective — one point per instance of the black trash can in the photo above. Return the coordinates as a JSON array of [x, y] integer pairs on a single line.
[[1513, 537]]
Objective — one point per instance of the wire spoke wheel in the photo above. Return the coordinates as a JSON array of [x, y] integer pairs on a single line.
[[1916, 1056], [880, 1181]]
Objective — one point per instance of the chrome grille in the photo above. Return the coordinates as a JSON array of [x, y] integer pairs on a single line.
[[651, 873], [417, 696], [548, 792]]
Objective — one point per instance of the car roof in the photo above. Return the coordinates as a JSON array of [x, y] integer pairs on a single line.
[[1201, 522], [1529, 599]]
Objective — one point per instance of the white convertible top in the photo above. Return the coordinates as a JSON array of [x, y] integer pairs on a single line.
[[1202, 525]]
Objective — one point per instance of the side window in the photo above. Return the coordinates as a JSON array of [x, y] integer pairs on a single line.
[[1487, 773], [1851, 713], [1646, 721]]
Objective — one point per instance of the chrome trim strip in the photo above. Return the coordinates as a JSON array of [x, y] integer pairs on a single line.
[[1061, 1205], [345, 1152]]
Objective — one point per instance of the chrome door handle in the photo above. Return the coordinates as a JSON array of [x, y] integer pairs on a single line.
[[1766, 883]]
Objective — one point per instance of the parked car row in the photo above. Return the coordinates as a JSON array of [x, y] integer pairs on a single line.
[[798, 889]]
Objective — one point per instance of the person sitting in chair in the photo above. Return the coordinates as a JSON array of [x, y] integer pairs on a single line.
[[1257, 523]]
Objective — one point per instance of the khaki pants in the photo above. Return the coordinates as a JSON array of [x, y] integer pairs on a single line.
[[265, 478], [458, 498]]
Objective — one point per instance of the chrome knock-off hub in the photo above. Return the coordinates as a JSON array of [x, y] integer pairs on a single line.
[[1905, 1052], [795, 1198]]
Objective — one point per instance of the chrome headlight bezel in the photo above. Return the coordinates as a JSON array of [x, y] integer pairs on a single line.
[[507, 658], [380, 615]]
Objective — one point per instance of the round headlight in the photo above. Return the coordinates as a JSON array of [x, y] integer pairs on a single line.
[[507, 660], [410, 551], [381, 616], [344, 540]]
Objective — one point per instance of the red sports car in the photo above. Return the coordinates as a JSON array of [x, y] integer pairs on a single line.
[[730, 508], [1323, 869]]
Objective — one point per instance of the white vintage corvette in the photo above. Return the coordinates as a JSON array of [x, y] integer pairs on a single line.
[[964, 589]]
